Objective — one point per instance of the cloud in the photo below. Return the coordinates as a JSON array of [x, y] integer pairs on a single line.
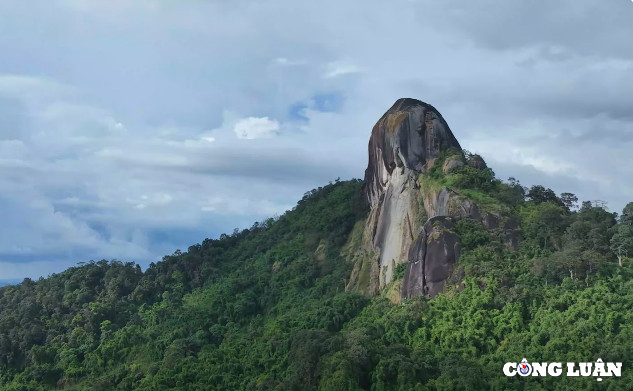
[[252, 128], [339, 68], [568, 24], [125, 126], [288, 63]]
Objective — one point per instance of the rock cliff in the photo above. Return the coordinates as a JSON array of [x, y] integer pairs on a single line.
[[411, 220], [404, 142]]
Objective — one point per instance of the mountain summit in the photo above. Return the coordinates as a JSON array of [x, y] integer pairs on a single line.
[[411, 214], [407, 137]]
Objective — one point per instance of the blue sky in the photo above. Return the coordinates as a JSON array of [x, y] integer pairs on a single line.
[[131, 129]]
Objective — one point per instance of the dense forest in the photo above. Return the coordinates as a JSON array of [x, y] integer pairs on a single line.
[[265, 308]]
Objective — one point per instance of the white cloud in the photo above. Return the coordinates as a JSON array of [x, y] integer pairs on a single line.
[[339, 68], [252, 127], [289, 63], [156, 200]]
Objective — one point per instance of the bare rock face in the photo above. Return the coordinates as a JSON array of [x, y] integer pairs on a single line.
[[431, 259], [408, 137], [477, 162], [511, 234], [451, 164]]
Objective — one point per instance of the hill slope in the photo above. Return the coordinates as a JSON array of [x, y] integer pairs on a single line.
[[265, 309]]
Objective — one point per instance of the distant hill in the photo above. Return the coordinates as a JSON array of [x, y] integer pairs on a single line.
[[478, 272]]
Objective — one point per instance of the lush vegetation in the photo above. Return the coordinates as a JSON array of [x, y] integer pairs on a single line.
[[265, 308]]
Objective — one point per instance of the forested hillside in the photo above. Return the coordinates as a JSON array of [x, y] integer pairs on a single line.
[[266, 308]]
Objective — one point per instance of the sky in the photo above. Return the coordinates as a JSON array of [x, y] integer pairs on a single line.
[[131, 129]]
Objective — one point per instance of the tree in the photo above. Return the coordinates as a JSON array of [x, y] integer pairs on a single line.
[[511, 192], [569, 200], [622, 240], [586, 241], [468, 177], [544, 224], [627, 214], [539, 194]]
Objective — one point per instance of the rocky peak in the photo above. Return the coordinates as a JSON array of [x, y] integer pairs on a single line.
[[409, 135], [411, 213], [405, 141]]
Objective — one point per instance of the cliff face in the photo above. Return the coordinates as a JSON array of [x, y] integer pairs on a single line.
[[410, 220], [431, 258], [404, 142]]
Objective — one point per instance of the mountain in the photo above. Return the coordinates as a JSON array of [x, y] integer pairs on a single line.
[[430, 274]]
